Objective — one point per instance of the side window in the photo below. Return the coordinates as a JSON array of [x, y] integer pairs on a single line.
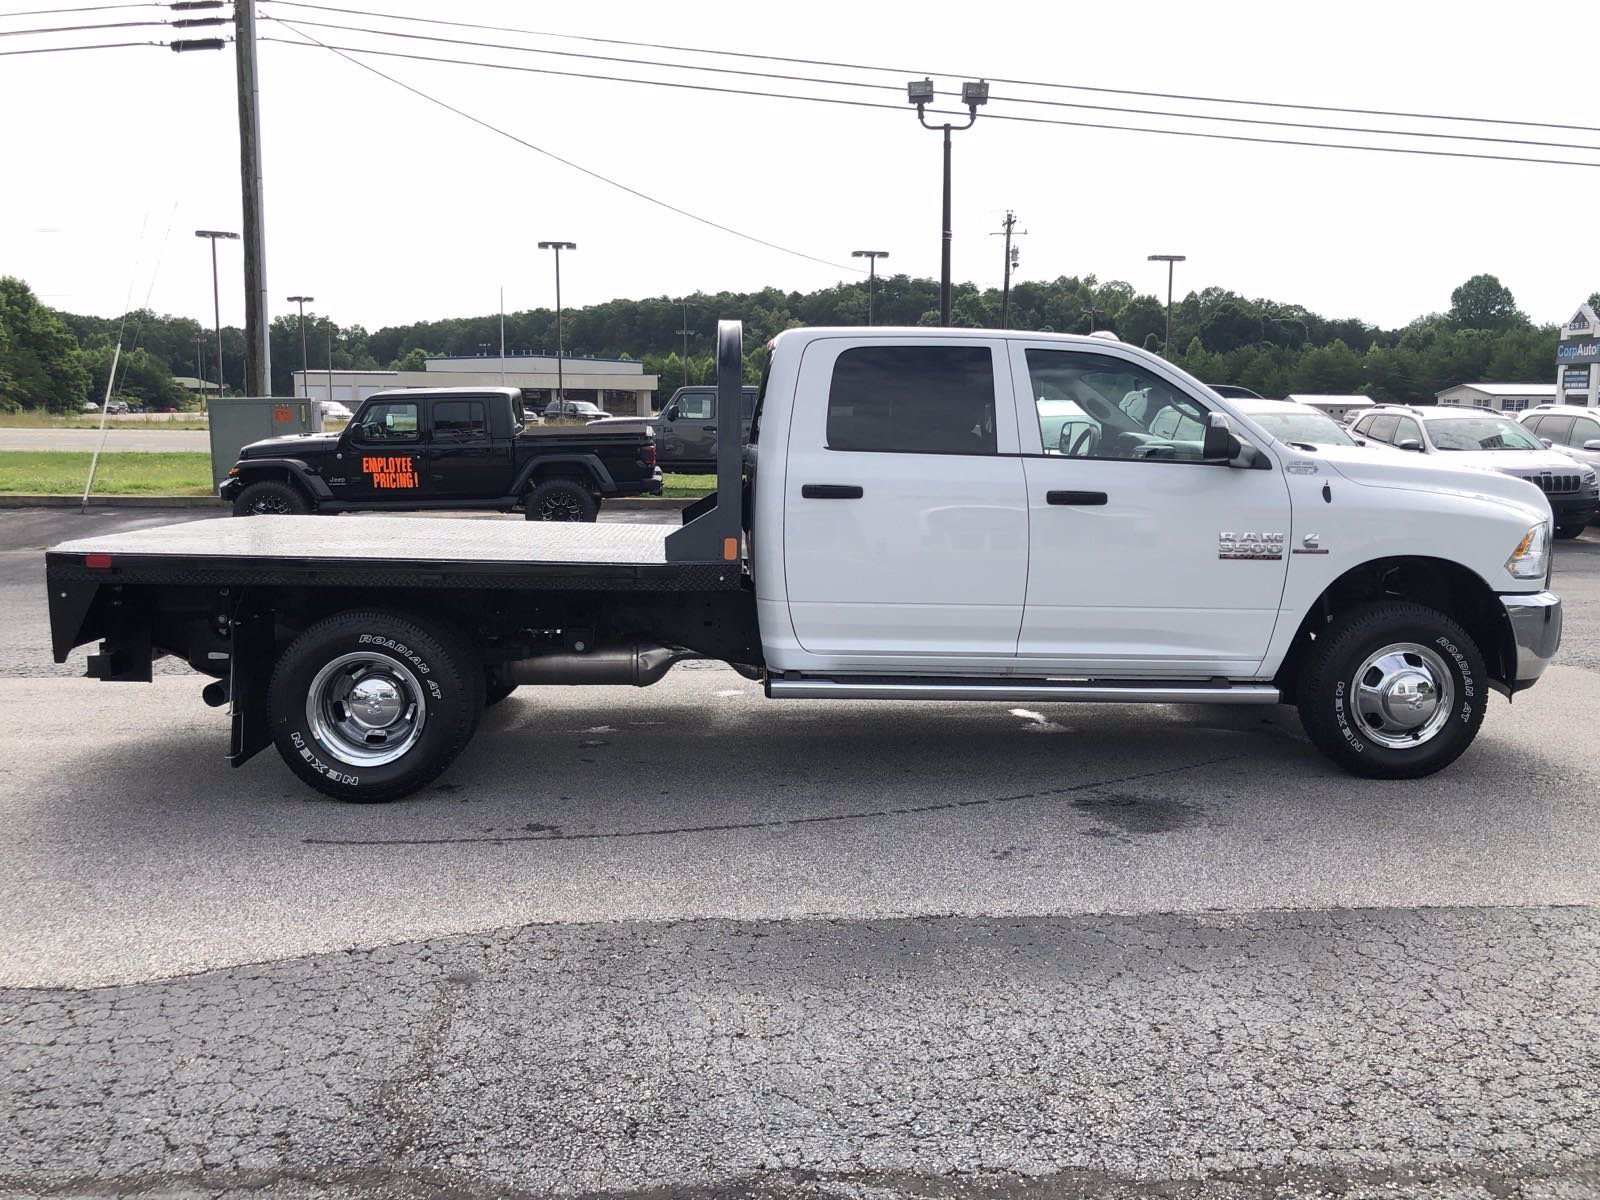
[[1407, 428], [390, 421], [697, 406], [1097, 406], [1534, 424], [913, 400], [1557, 429], [1382, 429], [1583, 430], [459, 420], [1363, 427]]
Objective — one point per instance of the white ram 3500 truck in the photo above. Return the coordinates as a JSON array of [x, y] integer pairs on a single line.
[[920, 514]]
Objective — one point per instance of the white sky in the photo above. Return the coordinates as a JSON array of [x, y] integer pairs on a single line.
[[388, 209]]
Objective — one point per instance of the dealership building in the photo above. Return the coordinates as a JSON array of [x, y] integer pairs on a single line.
[[1578, 359], [619, 386]]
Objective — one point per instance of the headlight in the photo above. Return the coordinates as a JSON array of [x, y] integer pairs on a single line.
[[1531, 558], [1588, 479]]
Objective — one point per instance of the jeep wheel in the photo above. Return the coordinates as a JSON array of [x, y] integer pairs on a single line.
[[1571, 531], [370, 706], [270, 498], [561, 500], [1392, 690]]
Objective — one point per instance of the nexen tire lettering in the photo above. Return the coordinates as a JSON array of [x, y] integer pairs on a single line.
[[316, 764]]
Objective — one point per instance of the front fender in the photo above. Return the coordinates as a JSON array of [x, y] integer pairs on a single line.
[[314, 484]]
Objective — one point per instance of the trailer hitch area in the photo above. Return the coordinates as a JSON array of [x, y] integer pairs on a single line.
[[125, 659]]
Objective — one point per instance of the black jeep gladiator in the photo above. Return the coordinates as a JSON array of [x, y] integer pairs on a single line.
[[450, 448]]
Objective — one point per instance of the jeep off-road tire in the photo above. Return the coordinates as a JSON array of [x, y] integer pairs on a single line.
[[270, 497], [561, 500], [1392, 690], [371, 705]]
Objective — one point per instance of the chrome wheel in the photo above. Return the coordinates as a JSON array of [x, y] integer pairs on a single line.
[[1402, 695], [365, 710]]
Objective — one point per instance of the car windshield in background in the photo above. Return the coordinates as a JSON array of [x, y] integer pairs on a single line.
[[583, 408], [1312, 428], [1481, 433]]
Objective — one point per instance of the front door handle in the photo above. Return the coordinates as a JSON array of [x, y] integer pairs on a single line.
[[830, 491], [1088, 498]]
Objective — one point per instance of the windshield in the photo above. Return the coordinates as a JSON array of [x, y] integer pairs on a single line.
[[583, 406], [1313, 428], [1481, 433]]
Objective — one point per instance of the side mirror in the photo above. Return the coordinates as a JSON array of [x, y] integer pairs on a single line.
[[1592, 444], [670, 413], [1219, 445], [1408, 444], [1547, 443]]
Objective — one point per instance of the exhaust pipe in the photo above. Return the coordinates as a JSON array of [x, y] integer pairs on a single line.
[[637, 663]]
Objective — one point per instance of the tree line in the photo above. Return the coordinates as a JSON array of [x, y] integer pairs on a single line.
[[56, 361]]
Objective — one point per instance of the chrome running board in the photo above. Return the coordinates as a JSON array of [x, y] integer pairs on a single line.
[[1100, 691]]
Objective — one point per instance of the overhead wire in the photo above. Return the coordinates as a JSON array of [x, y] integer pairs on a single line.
[[344, 53], [1033, 100], [992, 116], [78, 28], [62, 49], [906, 71], [51, 12]]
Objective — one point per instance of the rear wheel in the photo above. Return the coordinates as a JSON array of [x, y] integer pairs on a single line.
[[562, 500], [370, 706], [1393, 690], [270, 498]]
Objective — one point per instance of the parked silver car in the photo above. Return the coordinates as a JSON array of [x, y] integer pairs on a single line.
[[1565, 427]]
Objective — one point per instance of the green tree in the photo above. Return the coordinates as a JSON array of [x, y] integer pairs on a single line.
[[41, 367], [414, 359], [1483, 302]]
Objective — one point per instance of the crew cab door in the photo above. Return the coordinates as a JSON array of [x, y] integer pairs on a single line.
[[905, 513], [1143, 560], [381, 456], [465, 460], [689, 427]]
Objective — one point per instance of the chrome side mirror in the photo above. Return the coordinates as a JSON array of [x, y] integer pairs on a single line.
[[1592, 444], [1408, 444]]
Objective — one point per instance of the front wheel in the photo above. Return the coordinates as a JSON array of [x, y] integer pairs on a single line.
[[270, 498], [562, 500], [1392, 690], [1571, 531], [370, 705]]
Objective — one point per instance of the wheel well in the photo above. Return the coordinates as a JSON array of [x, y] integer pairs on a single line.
[[273, 475], [1439, 584], [568, 471]]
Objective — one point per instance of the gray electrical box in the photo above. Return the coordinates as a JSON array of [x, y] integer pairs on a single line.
[[236, 421]]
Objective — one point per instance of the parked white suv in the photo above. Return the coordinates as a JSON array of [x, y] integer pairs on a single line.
[[1475, 437], [1567, 428]]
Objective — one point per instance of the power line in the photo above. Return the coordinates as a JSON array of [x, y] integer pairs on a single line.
[[50, 12], [1146, 112], [839, 100], [1037, 83], [77, 28], [343, 53], [60, 49]]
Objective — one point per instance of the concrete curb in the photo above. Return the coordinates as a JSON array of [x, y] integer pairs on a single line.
[[624, 504]]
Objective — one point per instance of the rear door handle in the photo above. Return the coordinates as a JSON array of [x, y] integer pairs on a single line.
[[830, 491], [1090, 498]]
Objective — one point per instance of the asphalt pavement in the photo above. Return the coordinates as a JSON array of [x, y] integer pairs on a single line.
[[686, 939], [117, 439]]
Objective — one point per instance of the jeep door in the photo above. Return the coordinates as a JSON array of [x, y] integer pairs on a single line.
[[465, 461], [382, 457]]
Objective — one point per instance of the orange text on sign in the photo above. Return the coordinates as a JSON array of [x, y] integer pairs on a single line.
[[390, 472]]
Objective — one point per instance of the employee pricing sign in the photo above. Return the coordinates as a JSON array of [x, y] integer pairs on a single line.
[[391, 471]]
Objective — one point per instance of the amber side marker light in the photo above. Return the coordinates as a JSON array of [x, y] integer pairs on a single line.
[[730, 549]]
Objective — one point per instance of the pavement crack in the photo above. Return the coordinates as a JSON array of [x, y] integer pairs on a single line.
[[408, 1121], [558, 835]]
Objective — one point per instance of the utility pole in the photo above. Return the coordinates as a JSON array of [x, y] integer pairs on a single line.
[[872, 257], [1169, 259], [216, 295], [302, 301], [1092, 312], [561, 386], [1008, 230], [328, 323], [687, 333], [200, 362], [258, 354]]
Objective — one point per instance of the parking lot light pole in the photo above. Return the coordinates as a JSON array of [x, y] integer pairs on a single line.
[[973, 93], [1169, 259], [872, 257], [216, 296], [561, 389], [302, 301]]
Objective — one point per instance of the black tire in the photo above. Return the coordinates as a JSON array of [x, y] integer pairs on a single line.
[[431, 669], [270, 497], [1356, 727], [561, 500], [494, 690], [1571, 531]]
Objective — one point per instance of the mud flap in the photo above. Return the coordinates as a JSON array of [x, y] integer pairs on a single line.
[[251, 646]]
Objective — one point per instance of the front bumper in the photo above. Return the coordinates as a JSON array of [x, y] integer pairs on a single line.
[[1575, 508], [1536, 626]]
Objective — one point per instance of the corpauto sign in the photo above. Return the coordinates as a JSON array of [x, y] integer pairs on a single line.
[[1578, 350]]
